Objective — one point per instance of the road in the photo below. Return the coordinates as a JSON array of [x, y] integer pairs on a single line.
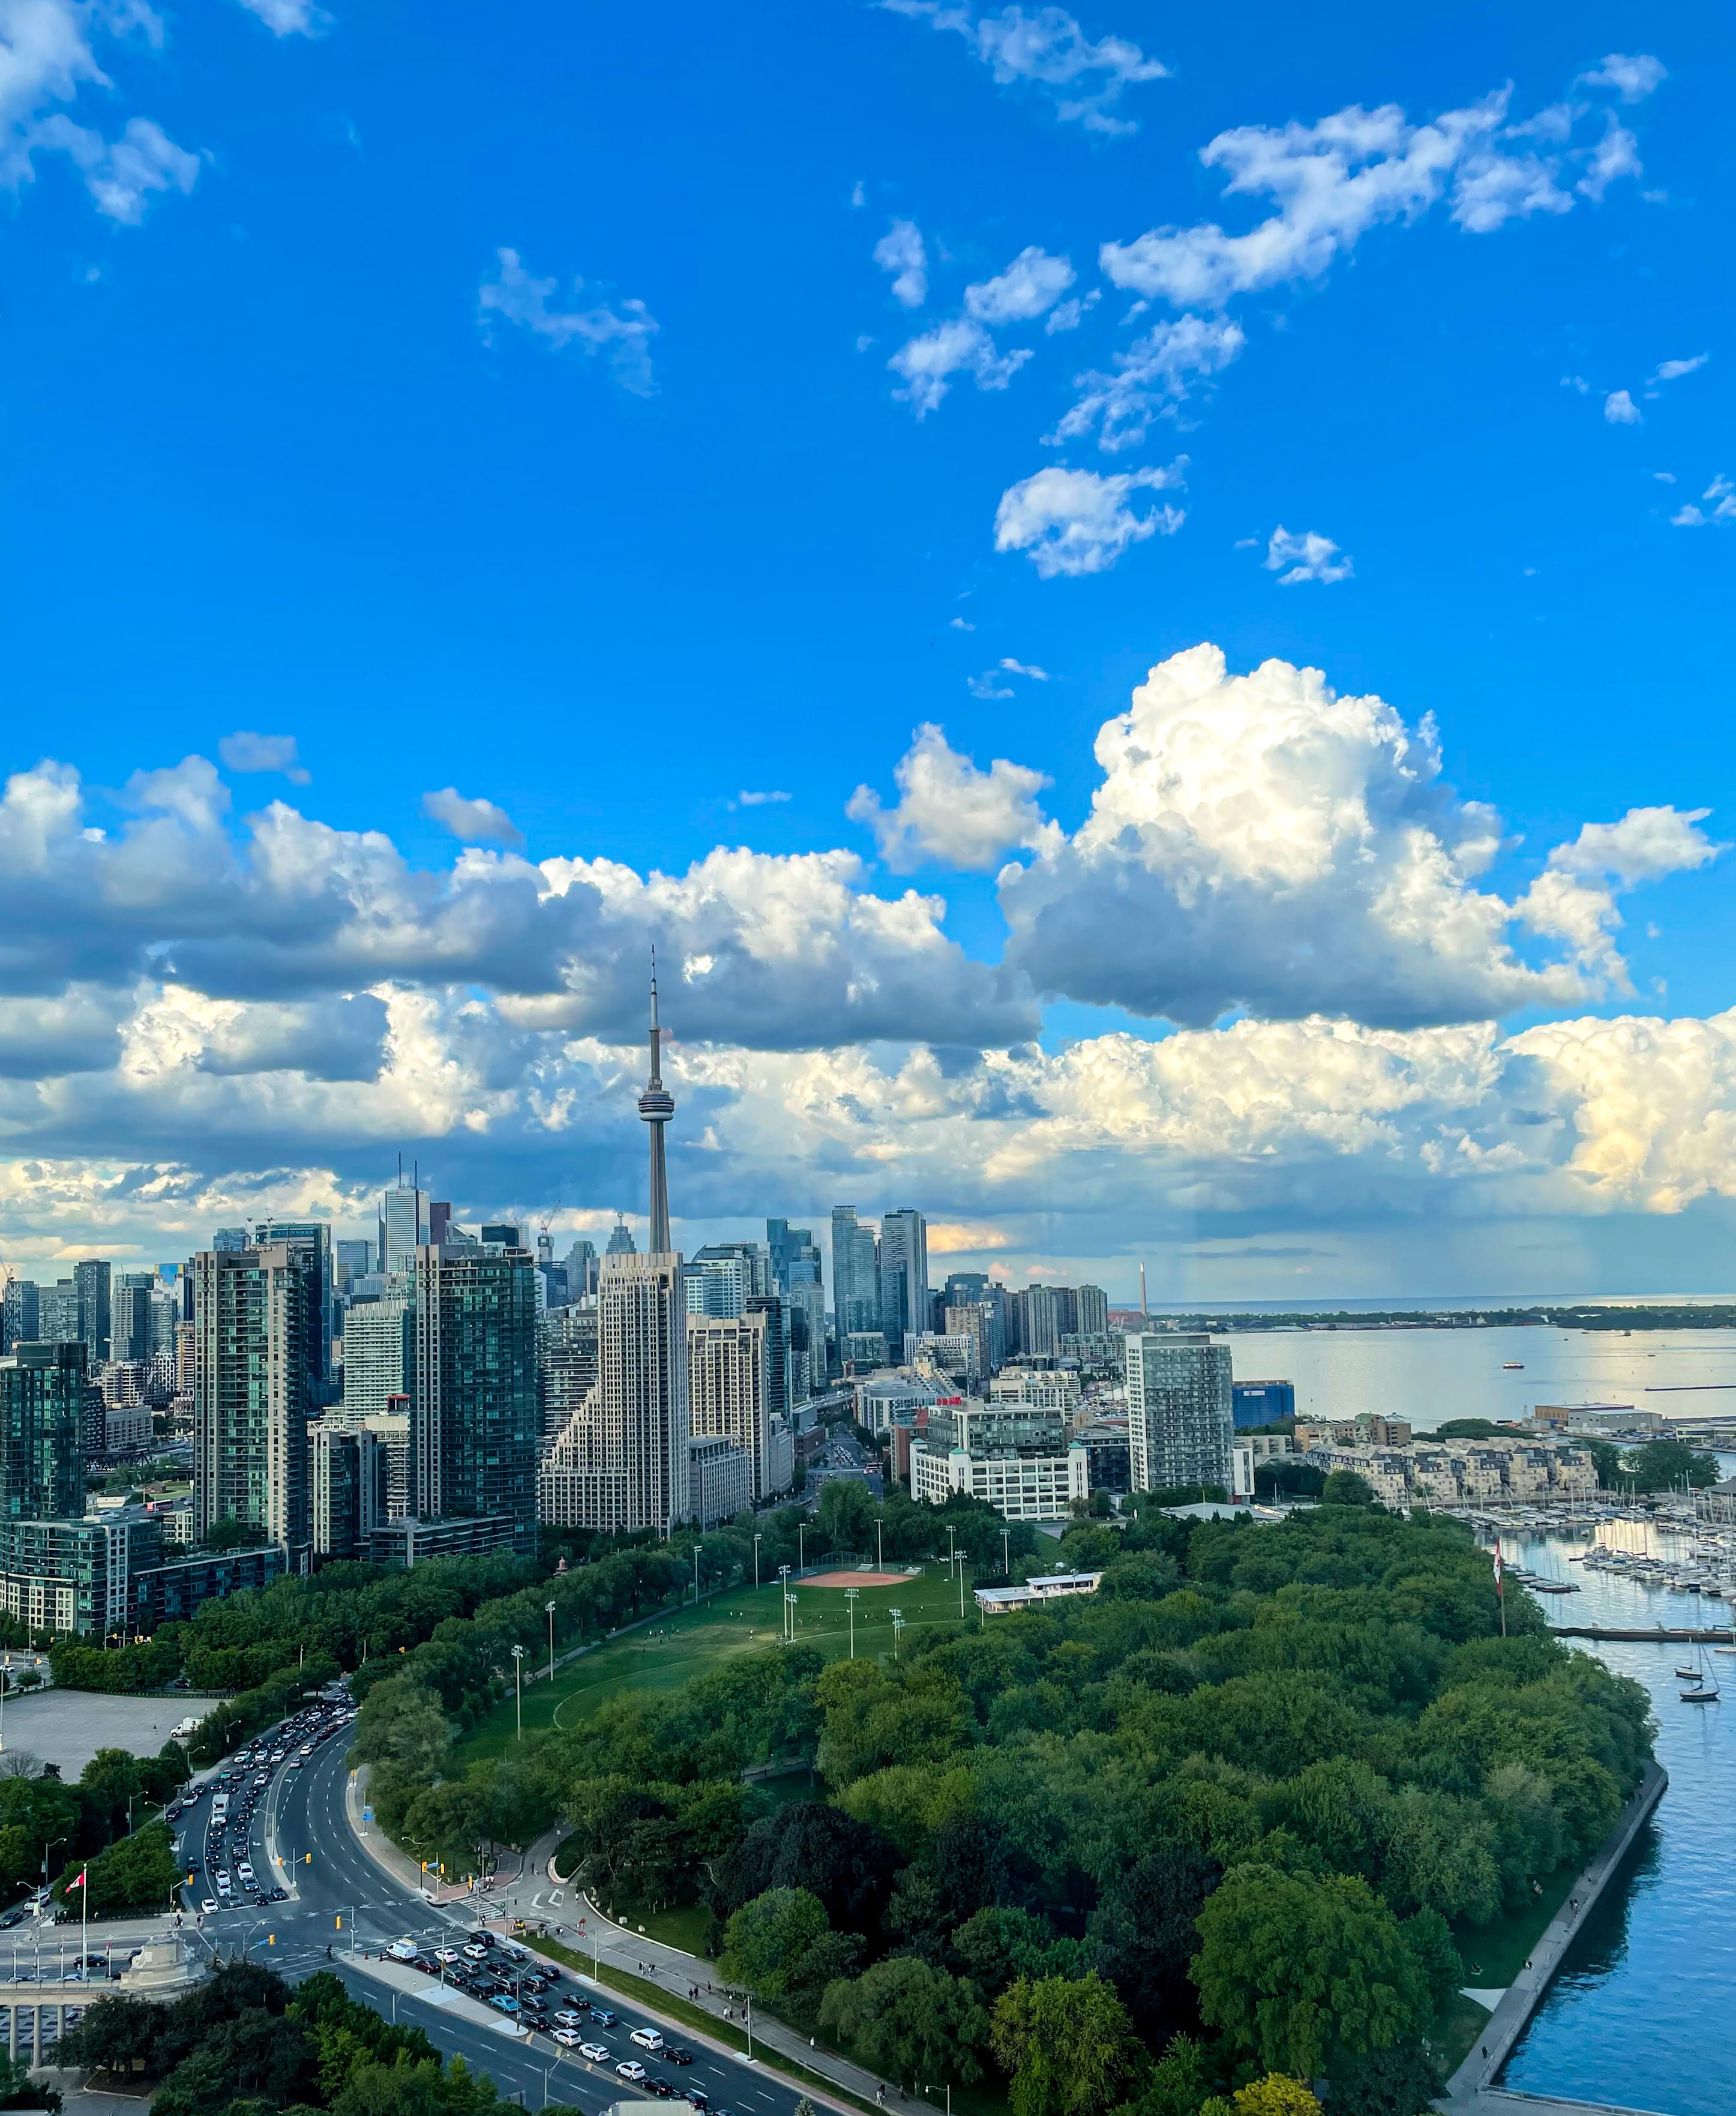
[[303, 1814]]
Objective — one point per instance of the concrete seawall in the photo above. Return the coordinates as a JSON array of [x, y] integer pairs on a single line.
[[1507, 2023]]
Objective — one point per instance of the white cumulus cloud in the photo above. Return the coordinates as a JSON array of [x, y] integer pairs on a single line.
[[1334, 181], [288, 18], [959, 346], [1074, 521], [618, 334], [1673, 371], [1633, 78], [1620, 410], [900, 252], [1032, 284], [243, 752], [1046, 49], [1305, 556], [949, 813], [478, 822], [1152, 378], [1257, 841]]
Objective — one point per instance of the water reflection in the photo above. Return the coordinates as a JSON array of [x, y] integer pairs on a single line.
[[1631, 2018]]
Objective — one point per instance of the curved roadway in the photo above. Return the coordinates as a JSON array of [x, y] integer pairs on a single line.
[[301, 1821]]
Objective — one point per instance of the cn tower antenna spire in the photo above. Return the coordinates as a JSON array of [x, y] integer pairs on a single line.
[[656, 1106]]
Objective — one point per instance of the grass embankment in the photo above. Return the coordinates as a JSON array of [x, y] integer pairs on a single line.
[[685, 1643], [1493, 1955]]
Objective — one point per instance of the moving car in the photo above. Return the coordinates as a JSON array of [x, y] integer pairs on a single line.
[[503, 2004], [604, 2017], [448, 1955], [567, 2038], [401, 1950], [673, 2055], [597, 2053], [632, 2070], [208, 1904], [647, 2039], [571, 2017]]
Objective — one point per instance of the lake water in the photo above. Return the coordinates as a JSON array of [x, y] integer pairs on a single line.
[[1630, 2018], [1429, 1375]]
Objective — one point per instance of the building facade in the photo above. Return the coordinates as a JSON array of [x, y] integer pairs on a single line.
[[727, 1389], [41, 1452], [476, 1418], [253, 1395], [1261, 1403], [350, 1488], [1180, 1418]]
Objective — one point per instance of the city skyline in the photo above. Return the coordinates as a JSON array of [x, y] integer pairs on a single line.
[[1157, 695]]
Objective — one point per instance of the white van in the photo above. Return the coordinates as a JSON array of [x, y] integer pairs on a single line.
[[647, 2039], [402, 1950], [219, 1807]]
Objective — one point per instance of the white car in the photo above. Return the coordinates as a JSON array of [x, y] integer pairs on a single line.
[[208, 1904], [402, 1950], [567, 2038], [475, 1953], [244, 1870], [447, 1956], [222, 1877], [569, 2019], [597, 2053], [647, 2039], [632, 2070]]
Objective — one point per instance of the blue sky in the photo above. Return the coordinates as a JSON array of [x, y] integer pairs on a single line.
[[501, 412]]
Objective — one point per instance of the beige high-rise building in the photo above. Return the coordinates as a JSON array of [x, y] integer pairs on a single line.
[[726, 1392]]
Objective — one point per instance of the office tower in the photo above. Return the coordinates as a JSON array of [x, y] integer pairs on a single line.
[[621, 1242], [473, 1396], [57, 1314], [1180, 1418], [971, 1320], [856, 1289], [403, 1227], [783, 1242], [91, 1281], [581, 1270], [566, 1365], [729, 1387], [378, 1353], [130, 1315], [440, 1220], [1092, 1305], [350, 1488], [903, 1278], [42, 1456], [503, 1234], [20, 1313], [230, 1241], [253, 1394], [164, 1318], [797, 1271], [779, 1380], [1261, 1403], [353, 1260], [715, 1284], [311, 1241]]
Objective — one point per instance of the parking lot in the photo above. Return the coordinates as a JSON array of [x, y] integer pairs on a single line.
[[66, 1727]]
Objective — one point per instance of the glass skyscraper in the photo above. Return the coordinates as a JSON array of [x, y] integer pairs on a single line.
[[42, 1460], [475, 1412], [1179, 1415]]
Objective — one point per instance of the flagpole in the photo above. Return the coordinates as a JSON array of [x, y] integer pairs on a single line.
[[84, 1929]]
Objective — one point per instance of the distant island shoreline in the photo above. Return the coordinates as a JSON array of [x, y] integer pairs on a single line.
[[1586, 1315]]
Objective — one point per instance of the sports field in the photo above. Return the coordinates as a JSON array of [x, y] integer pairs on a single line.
[[666, 1652]]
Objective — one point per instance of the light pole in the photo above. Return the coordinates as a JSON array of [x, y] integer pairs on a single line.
[[801, 1553], [897, 1626], [518, 1685], [549, 1606], [783, 1582], [789, 1605], [1006, 1554], [757, 1564], [880, 1543], [850, 1595]]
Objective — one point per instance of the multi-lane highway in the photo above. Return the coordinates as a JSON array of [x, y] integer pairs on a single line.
[[298, 1836]]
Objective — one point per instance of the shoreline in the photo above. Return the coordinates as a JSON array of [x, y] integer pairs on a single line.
[[1512, 2016]]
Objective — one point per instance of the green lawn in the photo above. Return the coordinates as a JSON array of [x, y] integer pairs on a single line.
[[664, 1653]]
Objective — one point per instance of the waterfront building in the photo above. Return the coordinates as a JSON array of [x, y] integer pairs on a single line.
[[41, 1454], [475, 1415], [1179, 1414], [1461, 1473], [1261, 1403], [253, 1394]]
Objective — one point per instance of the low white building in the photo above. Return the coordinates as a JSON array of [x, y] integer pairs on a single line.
[[1032, 1593], [1013, 1456]]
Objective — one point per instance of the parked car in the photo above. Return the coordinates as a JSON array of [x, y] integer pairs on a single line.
[[401, 1950]]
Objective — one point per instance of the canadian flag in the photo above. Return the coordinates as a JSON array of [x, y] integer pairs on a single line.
[[1498, 1587], [79, 1882]]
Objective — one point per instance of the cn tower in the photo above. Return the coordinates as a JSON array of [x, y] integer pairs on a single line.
[[656, 1105]]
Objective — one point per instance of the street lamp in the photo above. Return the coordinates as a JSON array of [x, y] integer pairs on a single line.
[[549, 1606], [897, 1626], [789, 1614], [879, 1541], [518, 1683], [801, 1551], [783, 1582], [850, 1595], [756, 1563]]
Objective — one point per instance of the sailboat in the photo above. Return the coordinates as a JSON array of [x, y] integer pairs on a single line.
[[1704, 1690]]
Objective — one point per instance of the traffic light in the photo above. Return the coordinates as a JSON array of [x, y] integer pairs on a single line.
[[338, 1926], [307, 1858]]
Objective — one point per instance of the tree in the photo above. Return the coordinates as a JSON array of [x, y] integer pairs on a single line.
[[257, 2053], [847, 1864], [906, 2018], [1662, 1465], [768, 1942], [1145, 1932], [1067, 2042], [1300, 1969], [1347, 1487], [135, 1874], [1276, 2095], [1402, 2081], [229, 1533], [401, 1727], [846, 1513]]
